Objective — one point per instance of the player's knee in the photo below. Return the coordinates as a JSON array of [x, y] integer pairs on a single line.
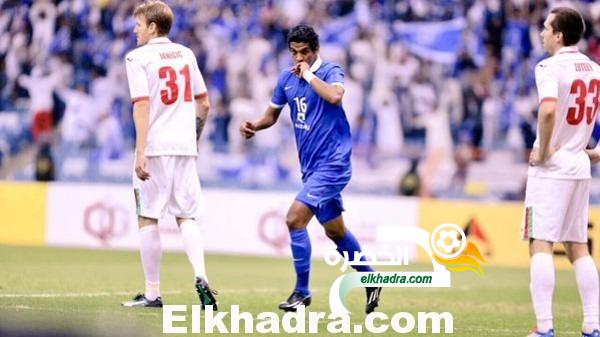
[[335, 232], [293, 222], [540, 246], [576, 251], [143, 222]]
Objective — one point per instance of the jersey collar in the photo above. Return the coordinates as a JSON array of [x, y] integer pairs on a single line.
[[569, 49], [161, 39], [316, 65]]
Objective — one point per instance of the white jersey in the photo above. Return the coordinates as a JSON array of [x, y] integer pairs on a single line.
[[573, 81], [167, 74]]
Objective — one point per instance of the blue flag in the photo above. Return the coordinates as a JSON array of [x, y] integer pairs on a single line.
[[436, 41]]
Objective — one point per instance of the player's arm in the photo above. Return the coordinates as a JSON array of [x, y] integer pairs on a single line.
[[141, 120], [332, 93], [594, 154], [546, 117], [547, 85], [202, 107], [24, 81], [139, 92], [201, 96], [268, 119]]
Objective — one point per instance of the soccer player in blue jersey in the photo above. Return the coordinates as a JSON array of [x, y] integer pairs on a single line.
[[314, 88]]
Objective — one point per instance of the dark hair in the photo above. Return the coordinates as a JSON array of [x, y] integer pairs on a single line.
[[157, 12], [568, 22], [304, 34]]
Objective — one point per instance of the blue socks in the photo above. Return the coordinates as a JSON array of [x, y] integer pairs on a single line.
[[349, 244], [301, 251]]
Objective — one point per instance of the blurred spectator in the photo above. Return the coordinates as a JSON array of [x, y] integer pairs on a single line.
[[423, 100], [410, 184], [44, 164], [80, 118], [40, 85], [42, 16], [401, 101]]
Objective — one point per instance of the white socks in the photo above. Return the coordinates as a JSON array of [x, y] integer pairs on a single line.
[[194, 247], [151, 253], [542, 289], [587, 283]]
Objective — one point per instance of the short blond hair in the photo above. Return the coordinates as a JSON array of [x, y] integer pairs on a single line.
[[158, 12]]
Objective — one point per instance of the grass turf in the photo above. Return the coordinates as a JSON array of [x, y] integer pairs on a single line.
[[81, 290]]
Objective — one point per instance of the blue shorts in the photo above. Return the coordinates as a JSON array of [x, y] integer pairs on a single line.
[[322, 194]]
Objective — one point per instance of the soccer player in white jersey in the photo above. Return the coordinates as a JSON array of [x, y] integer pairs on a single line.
[[169, 97], [557, 194]]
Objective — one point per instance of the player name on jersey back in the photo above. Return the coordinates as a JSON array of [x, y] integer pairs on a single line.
[[167, 75], [171, 55], [573, 81]]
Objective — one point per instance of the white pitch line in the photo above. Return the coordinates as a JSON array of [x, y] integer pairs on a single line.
[[129, 293], [501, 330], [100, 294]]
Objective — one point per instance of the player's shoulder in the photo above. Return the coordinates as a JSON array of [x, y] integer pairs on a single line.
[[328, 65], [331, 69], [135, 54], [285, 75], [593, 62], [183, 48], [546, 65], [140, 53]]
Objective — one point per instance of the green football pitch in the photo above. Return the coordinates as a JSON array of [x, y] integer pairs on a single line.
[[80, 290]]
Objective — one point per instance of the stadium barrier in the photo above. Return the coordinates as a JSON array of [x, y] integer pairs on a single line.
[[22, 213], [102, 216]]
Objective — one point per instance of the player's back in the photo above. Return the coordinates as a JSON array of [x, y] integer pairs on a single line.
[[573, 80], [171, 74]]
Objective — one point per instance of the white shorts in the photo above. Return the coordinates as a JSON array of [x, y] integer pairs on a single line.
[[173, 186], [556, 210]]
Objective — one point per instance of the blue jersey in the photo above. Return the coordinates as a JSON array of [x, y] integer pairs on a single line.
[[322, 131]]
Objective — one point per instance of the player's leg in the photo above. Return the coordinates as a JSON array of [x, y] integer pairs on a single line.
[[542, 284], [151, 254], [346, 243], [546, 202], [150, 202], [576, 238], [193, 244], [586, 275], [297, 219], [186, 204]]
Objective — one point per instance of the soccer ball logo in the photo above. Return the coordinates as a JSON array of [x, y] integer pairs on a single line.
[[448, 241]]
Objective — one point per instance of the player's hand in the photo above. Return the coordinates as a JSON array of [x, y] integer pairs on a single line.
[[594, 155], [302, 66], [248, 130], [296, 70], [299, 68], [536, 159], [140, 167]]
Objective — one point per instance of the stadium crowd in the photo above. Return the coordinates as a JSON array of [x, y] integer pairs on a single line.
[[62, 76]]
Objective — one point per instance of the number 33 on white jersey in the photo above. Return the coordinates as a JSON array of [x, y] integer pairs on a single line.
[[573, 81]]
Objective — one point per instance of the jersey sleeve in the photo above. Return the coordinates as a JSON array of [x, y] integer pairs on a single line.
[[137, 79], [279, 99], [546, 82], [197, 79], [335, 76]]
